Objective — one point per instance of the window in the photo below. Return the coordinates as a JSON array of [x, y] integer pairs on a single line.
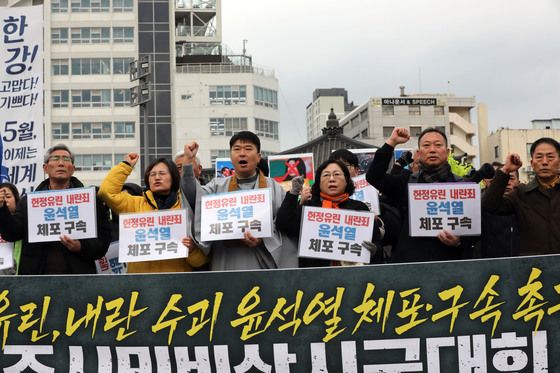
[[438, 110], [123, 34], [86, 130], [388, 110], [414, 110], [496, 152], [124, 130], [266, 128], [387, 131], [364, 133], [60, 98], [59, 35], [227, 126], [91, 66], [221, 153], [227, 94], [99, 5], [91, 98], [86, 35], [93, 162], [121, 97], [59, 6], [122, 65], [123, 5], [441, 128], [60, 131], [90, 5], [266, 97], [415, 131], [59, 67]]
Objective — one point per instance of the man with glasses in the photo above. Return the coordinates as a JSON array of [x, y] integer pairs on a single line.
[[67, 256]]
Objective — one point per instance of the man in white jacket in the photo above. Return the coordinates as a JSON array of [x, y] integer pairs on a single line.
[[250, 252]]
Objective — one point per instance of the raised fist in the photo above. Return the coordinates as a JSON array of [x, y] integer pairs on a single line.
[[398, 136]]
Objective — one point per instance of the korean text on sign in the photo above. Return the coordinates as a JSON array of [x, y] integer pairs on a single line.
[[155, 235], [68, 212], [227, 216], [366, 193], [335, 234], [434, 207]]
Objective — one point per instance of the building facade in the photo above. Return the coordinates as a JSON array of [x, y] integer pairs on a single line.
[[374, 120], [318, 111]]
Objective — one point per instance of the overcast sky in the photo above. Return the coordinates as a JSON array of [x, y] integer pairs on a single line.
[[506, 53]]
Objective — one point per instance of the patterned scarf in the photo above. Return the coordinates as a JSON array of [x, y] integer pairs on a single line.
[[333, 202], [437, 174], [234, 185]]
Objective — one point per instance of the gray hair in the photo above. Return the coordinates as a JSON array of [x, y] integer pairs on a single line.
[[52, 149]]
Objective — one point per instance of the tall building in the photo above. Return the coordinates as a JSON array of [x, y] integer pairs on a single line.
[[374, 120], [505, 141], [318, 111], [195, 88]]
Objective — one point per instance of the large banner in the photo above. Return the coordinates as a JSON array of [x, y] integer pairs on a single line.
[[21, 95], [469, 316]]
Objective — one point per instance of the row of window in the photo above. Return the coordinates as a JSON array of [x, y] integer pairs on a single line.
[[86, 98], [92, 35], [231, 126], [94, 6], [96, 162], [237, 94], [415, 131], [93, 130], [389, 110], [91, 66]]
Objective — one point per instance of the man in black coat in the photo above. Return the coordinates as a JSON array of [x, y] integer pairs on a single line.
[[67, 256]]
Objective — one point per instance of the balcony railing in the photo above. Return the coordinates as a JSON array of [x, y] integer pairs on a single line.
[[223, 69]]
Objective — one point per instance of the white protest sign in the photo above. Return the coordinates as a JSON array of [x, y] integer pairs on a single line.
[[366, 193], [54, 213], [434, 207], [6, 254], [155, 235], [21, 96], [226, 216], [109, 264], [335, 234]]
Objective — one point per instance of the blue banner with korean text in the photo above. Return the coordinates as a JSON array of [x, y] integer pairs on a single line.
[[21, 95], [472, 316]]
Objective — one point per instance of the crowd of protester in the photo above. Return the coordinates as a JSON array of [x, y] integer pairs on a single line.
[[516, 218]]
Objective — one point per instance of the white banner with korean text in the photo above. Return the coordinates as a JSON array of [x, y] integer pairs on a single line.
[[434, 207], [54, 213], [6, 254], [366, 193], [21, 96], [155, 235], [109, 264], [335, 234], [227, 216]]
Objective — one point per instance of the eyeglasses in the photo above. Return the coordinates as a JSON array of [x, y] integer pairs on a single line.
[[158, 173], [58, 158], [336, 174]]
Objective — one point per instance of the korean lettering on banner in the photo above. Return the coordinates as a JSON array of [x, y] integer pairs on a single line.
[[227, 216], [155, 235], [109, 264], [335, 234], [21, 95], [70, 212], [6, 254], [454, 207], [366, 193]]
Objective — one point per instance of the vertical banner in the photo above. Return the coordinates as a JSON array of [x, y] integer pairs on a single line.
[[154, 235], [434, 207], [21, 95], [61, 212]]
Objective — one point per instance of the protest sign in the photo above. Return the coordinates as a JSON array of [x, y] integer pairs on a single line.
[[434, 207], [365, 157], [224, 167], [335, 234], [366, 193], [21, 96], [109, 264], [283, 168], [68, 212], [154, 235], [226, 216], [6, 254]]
